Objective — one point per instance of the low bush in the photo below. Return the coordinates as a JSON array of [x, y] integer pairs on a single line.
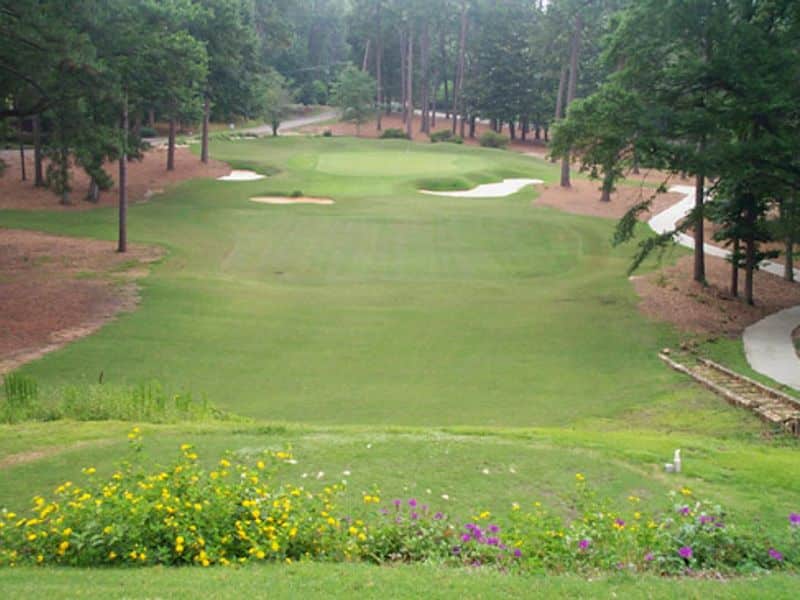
[[327, 133], [491, 139], [297, 194], [239, 511], [445, 135], [393, 134], [148, 132]]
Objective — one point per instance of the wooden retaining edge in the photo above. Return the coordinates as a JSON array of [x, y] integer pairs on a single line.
[[790, 425], [732, 398], [764, 388]]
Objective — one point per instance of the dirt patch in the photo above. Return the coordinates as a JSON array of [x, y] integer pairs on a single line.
[[672, 295], [290, 200], [145, 177], [583, 198], [23, 458], [57, 289]]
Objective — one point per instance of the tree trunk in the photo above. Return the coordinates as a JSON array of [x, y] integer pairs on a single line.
[[512, 131], [524, 129], [788, 241], [93, 194], [206, 118], [410, 82], [735, 269], [275, 126], [171, 145], [699, 224], [151, 118], [22, 150], [463, 126], [462, 50], [38, 170], [424, 49], [365, 63], [607, 188], [403, 71], [571, 88], [379, 66], [472, 121], [562, 87], [122, 242], [749, 257]]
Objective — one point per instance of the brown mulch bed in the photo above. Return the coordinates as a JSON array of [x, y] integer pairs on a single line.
[[145, 177], [672, 295], [56, 289], [583, 198]]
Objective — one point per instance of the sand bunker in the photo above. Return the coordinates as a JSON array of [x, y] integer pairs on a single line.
[[288, 200], [241, 176], [490, 190]]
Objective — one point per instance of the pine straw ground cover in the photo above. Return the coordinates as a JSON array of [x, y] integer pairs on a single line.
[[240, 512]]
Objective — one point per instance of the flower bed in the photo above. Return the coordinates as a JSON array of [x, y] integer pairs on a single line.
[[238, 513]]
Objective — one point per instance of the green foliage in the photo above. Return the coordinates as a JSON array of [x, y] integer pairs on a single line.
[[446, 135], [353, 93], [243, 510], [393, 134], [327, 133], [492, 139], [297, 194], [148, 132], [149, 402]]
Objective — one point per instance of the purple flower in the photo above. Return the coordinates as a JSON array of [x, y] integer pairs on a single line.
[[384, 511], [425, 508], [412, 503], [685, 552], [518, 553], [684, 511], [494, 528], [414, 516], [493, 541], [397, 502], [438, 516], [704, 519], [584, 544], [477, 533], [457, 550], [619, 523], [794, 519], [649, 557], [465, 538], [775, 555]]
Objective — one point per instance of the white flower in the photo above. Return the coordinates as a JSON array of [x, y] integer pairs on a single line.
[[304, 475], [346, 473], [485, 471], [369, 446], [445, 497], [512, 469], [321, 474]]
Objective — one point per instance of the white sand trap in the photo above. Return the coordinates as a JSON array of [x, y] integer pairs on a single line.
[[490, 190], [241, 176], [287, 200]]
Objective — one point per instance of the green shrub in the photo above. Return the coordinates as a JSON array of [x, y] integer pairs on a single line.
[[327, 133], [148, 132], [393, 134], [491, 139], [21, 398], [446, 135], [297, 194]]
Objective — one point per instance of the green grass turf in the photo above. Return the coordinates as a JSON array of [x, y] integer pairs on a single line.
[[388, 307], [412, 340], [361, 581]]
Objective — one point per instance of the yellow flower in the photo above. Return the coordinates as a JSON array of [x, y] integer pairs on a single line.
[[185, 447], [39, 558], [89, 471], [224, 463], [633, 499], [179, 539], [579, 477], [179, 549], [515, 506], [32, 537], [686, 491], [142, 557], [275, 546], [362, 537], [637, 515], [198, 507], [260, 464], [260, 555], [352, 530], [62, 547], [112, 555], [67, 532]]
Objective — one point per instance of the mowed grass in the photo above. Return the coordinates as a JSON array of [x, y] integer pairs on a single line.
[[387, 307], [361, 581]]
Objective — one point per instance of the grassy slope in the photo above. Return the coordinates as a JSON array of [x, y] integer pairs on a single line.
[[403, 308], [396, 308]]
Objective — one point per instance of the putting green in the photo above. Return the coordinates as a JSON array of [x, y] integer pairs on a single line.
[[396, 163]]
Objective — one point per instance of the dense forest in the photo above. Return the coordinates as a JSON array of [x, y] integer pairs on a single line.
[[708, 89]]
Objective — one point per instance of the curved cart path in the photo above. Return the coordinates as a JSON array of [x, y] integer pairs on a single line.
[[767, 344]]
